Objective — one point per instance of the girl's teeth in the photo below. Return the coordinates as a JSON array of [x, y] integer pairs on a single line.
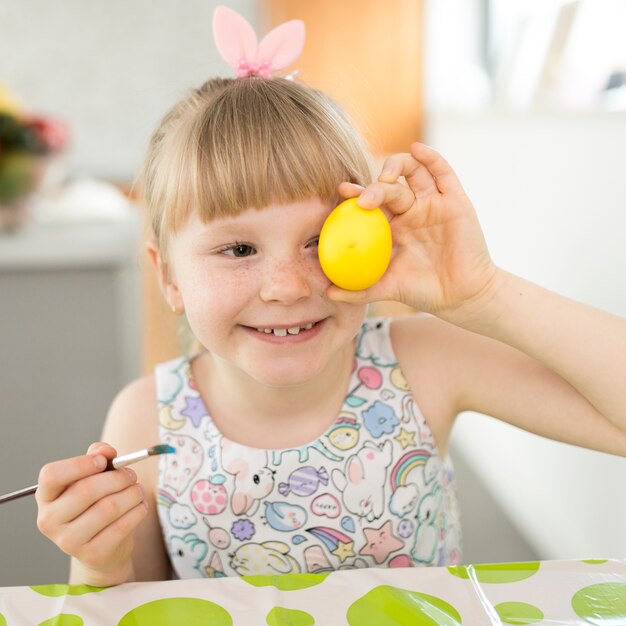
[[282, 332]]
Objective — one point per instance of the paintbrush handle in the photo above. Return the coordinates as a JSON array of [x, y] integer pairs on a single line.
[[18, 494], [116, 463]]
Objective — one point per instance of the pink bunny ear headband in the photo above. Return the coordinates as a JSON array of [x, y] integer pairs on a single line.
[[237, 42]]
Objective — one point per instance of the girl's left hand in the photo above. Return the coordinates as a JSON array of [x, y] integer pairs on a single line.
[[440, 260]]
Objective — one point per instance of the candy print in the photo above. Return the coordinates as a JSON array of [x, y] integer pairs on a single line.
[[304, 481], [285, 517], [208, 498]]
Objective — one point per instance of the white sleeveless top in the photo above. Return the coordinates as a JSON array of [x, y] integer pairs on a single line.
[[372, 491]]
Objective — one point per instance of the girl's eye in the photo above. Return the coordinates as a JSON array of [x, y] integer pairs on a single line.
[[239, 250], [313, 243]]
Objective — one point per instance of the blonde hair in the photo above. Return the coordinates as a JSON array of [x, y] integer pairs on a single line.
[[233, 144]]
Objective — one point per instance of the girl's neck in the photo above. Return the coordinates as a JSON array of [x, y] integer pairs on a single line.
[[255, 414]]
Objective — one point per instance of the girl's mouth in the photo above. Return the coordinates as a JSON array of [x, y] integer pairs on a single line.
[[283, 332], [290, 334]]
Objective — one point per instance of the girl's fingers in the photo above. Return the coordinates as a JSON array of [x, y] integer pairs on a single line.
[[98, 551], [105, 512], [404, 165], [87, 492], [56, 477], [444, 176], [395, 197]]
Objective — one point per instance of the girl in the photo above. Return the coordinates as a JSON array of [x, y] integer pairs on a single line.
[[309, 437]]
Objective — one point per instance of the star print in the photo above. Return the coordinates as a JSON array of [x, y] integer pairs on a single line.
[[344, 550], [194, 410], [380, 542], [406, 438]]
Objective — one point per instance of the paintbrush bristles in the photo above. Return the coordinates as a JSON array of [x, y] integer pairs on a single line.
[[161, 449]]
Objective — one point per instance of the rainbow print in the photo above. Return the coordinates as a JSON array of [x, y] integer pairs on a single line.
[[401, 470], [166, 499], [329, 536]]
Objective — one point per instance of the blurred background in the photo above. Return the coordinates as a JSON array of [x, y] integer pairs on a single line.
[[525, 98]]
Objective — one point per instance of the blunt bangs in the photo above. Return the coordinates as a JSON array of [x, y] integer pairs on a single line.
[[236, 144]]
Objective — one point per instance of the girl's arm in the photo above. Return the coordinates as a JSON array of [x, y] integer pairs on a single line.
[[132, 425], [512, 349]]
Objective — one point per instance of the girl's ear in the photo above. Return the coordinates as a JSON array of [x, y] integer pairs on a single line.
[[166, 281]]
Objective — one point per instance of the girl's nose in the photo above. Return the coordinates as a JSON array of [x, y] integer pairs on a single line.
[[286, 282]]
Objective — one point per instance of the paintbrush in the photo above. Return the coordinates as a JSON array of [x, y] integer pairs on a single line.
[[119, 461]]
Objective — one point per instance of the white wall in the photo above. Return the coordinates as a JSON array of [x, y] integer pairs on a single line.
[[550, 191], [110, 68]]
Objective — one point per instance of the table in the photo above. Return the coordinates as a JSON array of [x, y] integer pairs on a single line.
[[549, 592]]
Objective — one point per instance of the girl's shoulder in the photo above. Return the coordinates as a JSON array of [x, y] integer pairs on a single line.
[[428, 350], [131, 423]]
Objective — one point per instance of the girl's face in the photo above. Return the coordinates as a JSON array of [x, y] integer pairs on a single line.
[[254, 293]]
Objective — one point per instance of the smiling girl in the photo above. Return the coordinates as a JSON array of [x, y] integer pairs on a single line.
[[238, 181]]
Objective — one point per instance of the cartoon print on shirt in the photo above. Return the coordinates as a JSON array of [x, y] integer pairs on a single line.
[[253, 478], [215, 569], [209, 497], [167, 419], [403, 481], [380, 542], [368, 376], [184, 464], [187, 553], [380, 419], [411, 414], [326, 505], [268, 558], [338, 544], [363, 479], [284, 517], [194, 410], [427, 533], [321, 519], [365, 349], [304, 451], [217, 536], [304, 481], [344, 433]]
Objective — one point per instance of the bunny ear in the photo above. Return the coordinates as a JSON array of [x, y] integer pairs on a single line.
[[234, 38], [283, 45]]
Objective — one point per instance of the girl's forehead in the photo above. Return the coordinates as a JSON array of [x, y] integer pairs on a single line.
[[301, 212]]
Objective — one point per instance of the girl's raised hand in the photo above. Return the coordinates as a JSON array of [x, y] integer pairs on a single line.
[[91, 514], [440, 260]]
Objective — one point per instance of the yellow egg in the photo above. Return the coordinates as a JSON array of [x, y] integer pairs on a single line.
[[355, 246]]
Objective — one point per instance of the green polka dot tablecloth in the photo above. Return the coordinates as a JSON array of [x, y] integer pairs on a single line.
[[550, 593]]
